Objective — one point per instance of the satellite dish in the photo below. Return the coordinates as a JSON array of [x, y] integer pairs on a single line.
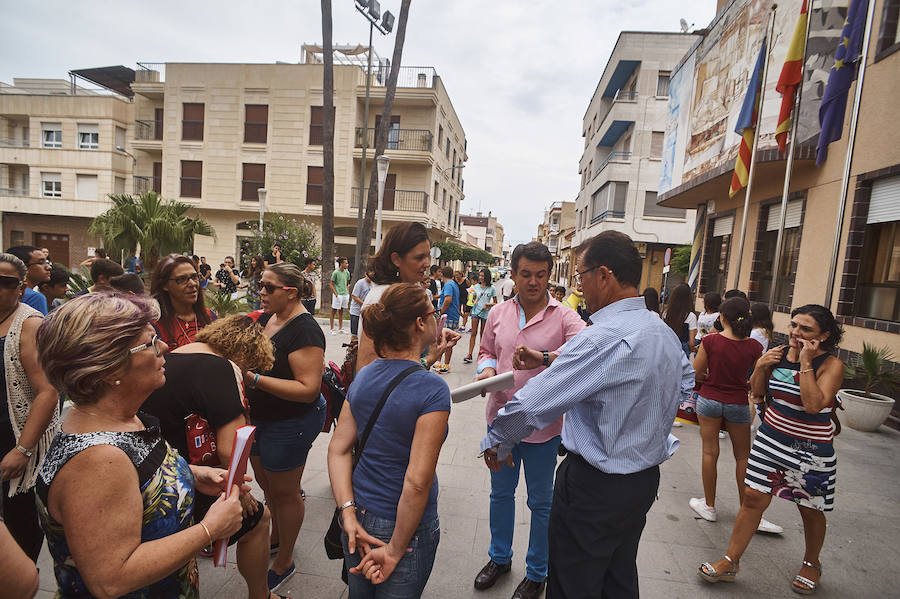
[[684, 26]]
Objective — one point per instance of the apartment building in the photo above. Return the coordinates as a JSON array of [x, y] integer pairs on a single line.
[[212, 134], [58, 163], [700, 149], [623, 129], [486, 231], [559, 221]]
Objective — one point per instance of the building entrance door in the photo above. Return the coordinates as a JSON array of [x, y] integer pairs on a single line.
[[57, 244]]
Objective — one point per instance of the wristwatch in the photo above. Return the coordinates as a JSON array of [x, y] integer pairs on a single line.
[[25, 452], [546, 355]]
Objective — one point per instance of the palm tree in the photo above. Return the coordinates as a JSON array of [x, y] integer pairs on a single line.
[[158, 227], [327, 155]]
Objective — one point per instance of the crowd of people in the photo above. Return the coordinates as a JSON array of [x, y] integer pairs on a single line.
[[126, 484]]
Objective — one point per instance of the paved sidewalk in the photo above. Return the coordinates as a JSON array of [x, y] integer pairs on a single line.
[[859, 558]]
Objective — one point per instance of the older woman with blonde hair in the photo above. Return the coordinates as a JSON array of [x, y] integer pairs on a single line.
[[29, 416], [115, 500]]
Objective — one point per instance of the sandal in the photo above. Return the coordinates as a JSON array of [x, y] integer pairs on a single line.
[[806, 586], [708, 573]]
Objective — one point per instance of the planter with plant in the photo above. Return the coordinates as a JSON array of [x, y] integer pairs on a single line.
[[866, 410]]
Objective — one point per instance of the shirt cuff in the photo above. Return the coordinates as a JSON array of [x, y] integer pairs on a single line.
[[486, 364], [672, 444], [491, 441]]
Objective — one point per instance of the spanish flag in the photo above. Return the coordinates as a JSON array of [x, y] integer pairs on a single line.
[[790, 78], [746, 125]]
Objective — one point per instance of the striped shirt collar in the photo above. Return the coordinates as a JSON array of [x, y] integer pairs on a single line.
[[623, 305]]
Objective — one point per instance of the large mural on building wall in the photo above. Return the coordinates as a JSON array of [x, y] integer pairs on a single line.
[[710, 84]]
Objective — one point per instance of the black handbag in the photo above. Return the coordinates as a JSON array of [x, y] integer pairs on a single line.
[[334, 549]]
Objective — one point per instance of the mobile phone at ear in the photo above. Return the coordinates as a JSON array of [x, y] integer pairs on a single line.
[[440, 328]]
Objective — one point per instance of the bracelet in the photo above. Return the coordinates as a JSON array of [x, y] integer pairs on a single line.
[[807, 370], [25, 452], [424, 362], [347, 504], [208, 536], [255, 381]]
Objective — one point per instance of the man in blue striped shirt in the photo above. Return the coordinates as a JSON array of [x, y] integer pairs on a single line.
[[619, 383]]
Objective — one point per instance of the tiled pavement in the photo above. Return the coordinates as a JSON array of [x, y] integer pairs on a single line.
[[859, 558]]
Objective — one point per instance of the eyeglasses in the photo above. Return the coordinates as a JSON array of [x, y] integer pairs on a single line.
[[41, 262], [183, 279], [429, 313], [580, 273], [152, 343], [270, 288], [9, 282]]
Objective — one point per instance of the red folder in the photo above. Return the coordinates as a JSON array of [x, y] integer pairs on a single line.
[[237, 468]]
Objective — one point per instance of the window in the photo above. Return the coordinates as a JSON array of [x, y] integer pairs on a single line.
[[662, 83], [17, 238], [88, 137], [455, 172], [51, 185], [440, 135], [444, 200], [119, 185], [86, 187], [254, 177], [656, 143], [315, 176], [878, 294], [651, 208], [716, 254], [192, 124], [51, 135], [609, 201], [790, 250], [120, 137], [434, 198], [191, 178], [447, 152], [316, 127], [890, 32], [256, 123]]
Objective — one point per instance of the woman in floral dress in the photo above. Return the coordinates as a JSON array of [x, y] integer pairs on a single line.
[[792, 456]]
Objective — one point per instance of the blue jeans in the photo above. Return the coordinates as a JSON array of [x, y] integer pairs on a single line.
[[539, 460], [409, 578]]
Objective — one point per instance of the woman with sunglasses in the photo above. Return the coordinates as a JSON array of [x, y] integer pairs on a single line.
[[176, 286], [388, 502], [115, 500], [286, 406], [29, 415]]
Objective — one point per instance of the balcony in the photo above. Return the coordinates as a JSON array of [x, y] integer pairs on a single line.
[[554, 227], [410, 140], [408, 77], [14, 143], [149, 80], [148, 130], [16, 192], [142, 184], [397, 200], [613, 157]]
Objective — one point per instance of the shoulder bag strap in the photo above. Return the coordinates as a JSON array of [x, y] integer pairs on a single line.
[[371, 424]]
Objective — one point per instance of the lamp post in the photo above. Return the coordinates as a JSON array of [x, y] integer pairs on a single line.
[[381, 163], [371, 10], [262, 191]]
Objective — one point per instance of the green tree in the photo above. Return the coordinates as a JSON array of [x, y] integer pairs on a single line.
[[158, 226], [297, 238], [449, 251], [681, 260]]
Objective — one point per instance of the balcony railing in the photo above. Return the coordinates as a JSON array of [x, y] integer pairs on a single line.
[[612, 156], [415, 140], [14, 143], [14, 191], [625, 96], [148, 130], [150, 72], [142, 184], [417, 77], [401, 200]]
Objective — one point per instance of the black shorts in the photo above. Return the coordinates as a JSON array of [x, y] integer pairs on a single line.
[[202, 503], [467, 309]]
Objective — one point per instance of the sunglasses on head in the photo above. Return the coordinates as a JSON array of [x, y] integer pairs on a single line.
[[9, 282], [270, 288]]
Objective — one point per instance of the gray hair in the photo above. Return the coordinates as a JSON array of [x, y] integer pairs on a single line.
[[15, 261]]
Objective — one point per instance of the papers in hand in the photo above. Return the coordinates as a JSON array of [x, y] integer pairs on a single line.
[[237, 468], [489, 385]]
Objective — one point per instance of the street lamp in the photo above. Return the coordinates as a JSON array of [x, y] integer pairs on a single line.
[[124, 151], [381, 163], [371, 10], [451, 168], [261, 192]]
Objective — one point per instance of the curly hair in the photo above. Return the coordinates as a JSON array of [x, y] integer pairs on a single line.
[[240, 339]]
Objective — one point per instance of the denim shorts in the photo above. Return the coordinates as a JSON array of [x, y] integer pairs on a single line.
[[409, 578], [452, 325], [730, 412], [283, 445]]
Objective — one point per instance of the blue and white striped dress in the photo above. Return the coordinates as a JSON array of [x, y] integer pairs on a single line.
[[792, 456]]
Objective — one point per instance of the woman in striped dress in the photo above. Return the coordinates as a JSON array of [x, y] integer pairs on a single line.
[[792, 456]]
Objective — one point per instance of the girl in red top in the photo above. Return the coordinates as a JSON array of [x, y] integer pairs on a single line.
[[176, 286], [722, 367]]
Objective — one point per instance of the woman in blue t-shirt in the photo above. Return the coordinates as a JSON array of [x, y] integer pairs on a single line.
[[389, 501]]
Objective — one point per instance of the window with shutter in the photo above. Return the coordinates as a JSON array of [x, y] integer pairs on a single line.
[[192, 122], [316, 126], [254, 178], [256, 123], [651, 208], [86, 187], [51, 135], [878, 293], [191, 178], [767, 240], [662, 83], [315, 176], [51, 185], [656, 144], [88, 137]]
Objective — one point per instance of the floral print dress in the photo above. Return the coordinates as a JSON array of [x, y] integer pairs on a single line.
[[167, 491]]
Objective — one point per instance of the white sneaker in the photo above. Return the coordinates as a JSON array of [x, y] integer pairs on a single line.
[[333, 332], [698, 504], [721, 434], [766, 526], [342, 331], [676, 424]]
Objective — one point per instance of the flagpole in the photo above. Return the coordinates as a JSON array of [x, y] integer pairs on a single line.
[[789, 167], [851, 141], [756, 135]]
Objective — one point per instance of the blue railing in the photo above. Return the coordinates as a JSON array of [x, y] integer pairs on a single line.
[[612, 156]]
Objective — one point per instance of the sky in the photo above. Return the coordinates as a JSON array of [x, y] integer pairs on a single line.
[[520, 75]]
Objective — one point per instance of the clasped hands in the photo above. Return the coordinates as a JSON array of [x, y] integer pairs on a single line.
[[377, 558]]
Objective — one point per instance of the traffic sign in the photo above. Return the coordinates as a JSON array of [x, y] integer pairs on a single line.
[[666, 268], [435, 252], [668, 257]]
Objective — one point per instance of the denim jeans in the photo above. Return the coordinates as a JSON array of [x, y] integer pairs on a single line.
[[539, 460], [410, 576]]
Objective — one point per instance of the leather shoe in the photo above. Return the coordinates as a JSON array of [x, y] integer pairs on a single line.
[[490, 573], [529, 589]]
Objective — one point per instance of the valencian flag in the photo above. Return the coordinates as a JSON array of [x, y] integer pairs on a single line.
[[790, 78], [746, 125], [834, 100]]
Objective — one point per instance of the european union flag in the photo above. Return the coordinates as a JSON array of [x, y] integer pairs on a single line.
[[834, 102]]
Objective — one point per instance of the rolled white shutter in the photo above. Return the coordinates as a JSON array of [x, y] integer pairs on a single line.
[[723, 226], [791, 218], [884, 204]]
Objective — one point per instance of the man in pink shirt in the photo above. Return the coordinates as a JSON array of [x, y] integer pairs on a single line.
[[531, 321]]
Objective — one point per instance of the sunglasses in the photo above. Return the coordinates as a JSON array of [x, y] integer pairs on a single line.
[[152, 343], [270, 288], [183, 279], [9, 282]]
